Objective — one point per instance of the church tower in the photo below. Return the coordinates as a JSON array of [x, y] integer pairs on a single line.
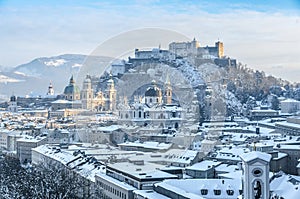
[[50, 89], [12, 104], [72, 92], [87, 93], [168, 91], [153, 95], [111, 94], [256, 175]]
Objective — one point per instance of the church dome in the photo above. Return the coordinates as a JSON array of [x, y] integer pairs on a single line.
[[71, 88], [153, 91]]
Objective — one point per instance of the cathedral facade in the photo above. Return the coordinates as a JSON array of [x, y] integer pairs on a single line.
[[154, 109], [86, 98]]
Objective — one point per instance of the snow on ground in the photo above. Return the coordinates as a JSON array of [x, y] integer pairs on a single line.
[[55, 63]]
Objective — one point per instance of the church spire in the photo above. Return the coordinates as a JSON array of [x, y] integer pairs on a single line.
[[72, 81]]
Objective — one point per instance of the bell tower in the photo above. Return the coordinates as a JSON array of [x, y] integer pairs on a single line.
[[256, 175], [87, 93], [112, 94], [168, 91], [50, 89], [12, 104]]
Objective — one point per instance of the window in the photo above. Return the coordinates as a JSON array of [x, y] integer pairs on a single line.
[[230, 192], [257, 172], [217, 192], [204, 192]]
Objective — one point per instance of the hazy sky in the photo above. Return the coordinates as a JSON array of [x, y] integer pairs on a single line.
[[264, 34]]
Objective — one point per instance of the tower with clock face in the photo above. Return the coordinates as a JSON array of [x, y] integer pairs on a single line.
[[256, 175]]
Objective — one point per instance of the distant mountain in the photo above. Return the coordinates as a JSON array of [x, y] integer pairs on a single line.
[[33, 78]]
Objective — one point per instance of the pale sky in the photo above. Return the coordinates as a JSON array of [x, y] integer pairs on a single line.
[[265, 35]]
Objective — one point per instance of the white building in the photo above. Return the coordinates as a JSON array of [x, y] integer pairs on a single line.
[[155, 109], [24, 146], [12, 104], [290, 106], [118, 68], [256, 175]]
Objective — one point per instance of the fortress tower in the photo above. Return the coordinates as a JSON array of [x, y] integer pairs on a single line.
[[220, 49]]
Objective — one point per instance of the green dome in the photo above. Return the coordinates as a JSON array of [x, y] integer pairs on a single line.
[[72, 88]]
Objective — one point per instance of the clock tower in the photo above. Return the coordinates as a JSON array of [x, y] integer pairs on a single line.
[[256, 175]]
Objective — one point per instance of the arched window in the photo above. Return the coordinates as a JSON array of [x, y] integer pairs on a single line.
[[204, 192], [140, 114], [126, 116]]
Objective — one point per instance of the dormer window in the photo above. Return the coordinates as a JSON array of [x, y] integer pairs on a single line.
[[204, 192], [230, 192], [217, 192]]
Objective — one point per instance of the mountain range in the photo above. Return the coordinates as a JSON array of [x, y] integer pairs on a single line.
[[33, 78]]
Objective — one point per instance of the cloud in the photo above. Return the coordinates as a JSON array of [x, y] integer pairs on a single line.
[[253, 37]]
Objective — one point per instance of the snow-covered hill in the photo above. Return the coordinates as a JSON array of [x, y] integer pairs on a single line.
[[34, 77]]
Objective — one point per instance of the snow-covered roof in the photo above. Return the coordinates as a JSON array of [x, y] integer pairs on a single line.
[[31, 139], [290, 100], [186, 157], [141, 171], [150, 194], [191, 188], [77, 162], [286, 186], [148, 145], [289, 146], [247, 157], [109, 128], [226, 168], [119, 183], [204, 165], [288, 124]]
